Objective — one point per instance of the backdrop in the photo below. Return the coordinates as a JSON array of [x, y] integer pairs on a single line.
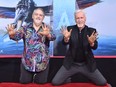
[[100, 15]]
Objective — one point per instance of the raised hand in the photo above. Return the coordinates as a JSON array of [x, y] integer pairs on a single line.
[[46, 30], [92, 37], [10, 29], [65, 32]]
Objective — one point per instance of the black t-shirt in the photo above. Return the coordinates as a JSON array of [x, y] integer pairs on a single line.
[[80, 57]]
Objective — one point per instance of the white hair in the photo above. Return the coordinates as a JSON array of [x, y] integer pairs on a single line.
[[79, 10]]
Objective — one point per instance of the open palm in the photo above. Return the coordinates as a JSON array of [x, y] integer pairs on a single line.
[[92, 37], [65, 32], [46, 30], [10, 29]]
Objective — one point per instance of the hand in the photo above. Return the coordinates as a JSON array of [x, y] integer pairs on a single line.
[[10, 29], [46, 30], [65, 32], [92, 38]]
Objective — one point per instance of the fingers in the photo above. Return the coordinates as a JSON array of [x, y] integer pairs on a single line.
[[10, 27], [62, 30], [45, 27], [70, 30], [63, 27], [87, 36], [41, 33], [92, 37], [96, 36], [93, 33]]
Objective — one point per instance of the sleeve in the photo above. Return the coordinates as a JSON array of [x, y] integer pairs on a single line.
[[53, 36]]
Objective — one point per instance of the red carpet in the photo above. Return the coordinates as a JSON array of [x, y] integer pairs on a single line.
[[49, 85]]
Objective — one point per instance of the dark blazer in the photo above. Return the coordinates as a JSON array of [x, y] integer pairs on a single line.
[[68, 60]]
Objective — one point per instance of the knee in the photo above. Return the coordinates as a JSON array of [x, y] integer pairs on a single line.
[[102, 83], [41, 82], [25, 82], [55, 82]]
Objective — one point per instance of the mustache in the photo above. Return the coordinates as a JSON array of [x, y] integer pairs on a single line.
[[38, 18]]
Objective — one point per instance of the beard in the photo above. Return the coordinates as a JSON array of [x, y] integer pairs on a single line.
[[80, 25], [37, 21]]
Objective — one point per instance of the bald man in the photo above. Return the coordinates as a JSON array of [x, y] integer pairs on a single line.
[[79, 57]]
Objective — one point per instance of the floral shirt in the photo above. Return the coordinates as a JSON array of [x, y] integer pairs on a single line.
[[36, 48]]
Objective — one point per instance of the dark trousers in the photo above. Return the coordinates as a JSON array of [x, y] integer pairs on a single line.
[[63, 74], [36, 77]]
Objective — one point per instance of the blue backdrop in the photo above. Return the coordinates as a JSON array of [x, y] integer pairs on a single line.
[[100, 15]]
